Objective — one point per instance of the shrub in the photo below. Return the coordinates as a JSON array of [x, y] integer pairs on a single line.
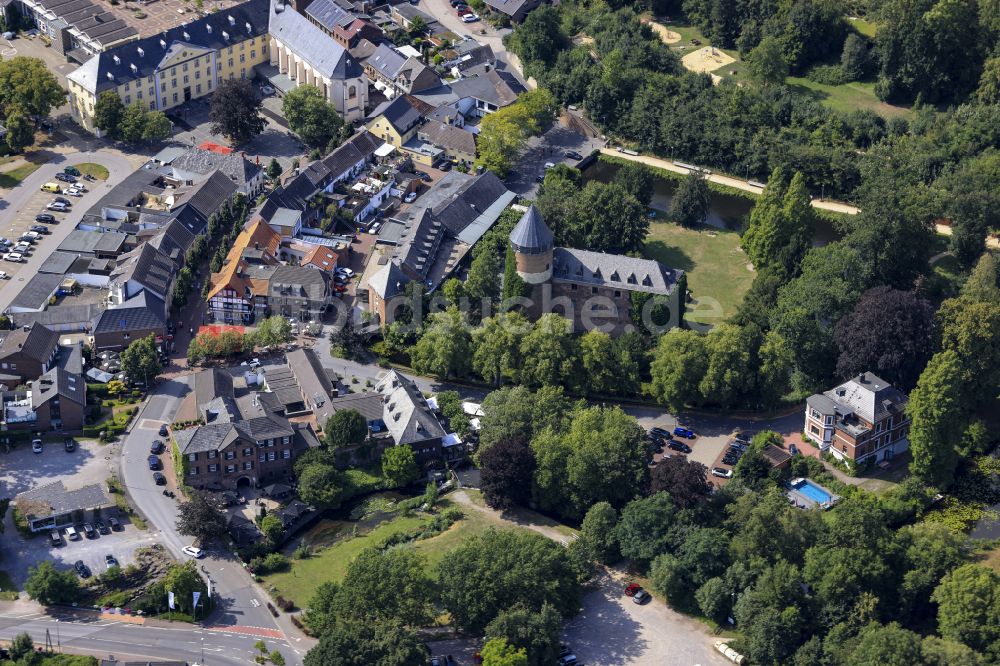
[[830, 75]]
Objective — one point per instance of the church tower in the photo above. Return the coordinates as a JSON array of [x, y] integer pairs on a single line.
[[531, 241]]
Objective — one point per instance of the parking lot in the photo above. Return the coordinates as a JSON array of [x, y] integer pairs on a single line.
[[90, 463], [23, 219], [551, 147]]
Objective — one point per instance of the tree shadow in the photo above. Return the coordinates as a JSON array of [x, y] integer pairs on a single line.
[[667, 255]]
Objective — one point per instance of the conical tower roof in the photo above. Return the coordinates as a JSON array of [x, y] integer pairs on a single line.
[[531, 235]]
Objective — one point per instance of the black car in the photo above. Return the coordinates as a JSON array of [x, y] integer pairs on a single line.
[[40, 228], [101, 527], [426, 177], [65, 177], [45, 217], [82, 569], [679, 446], [114, 524], [573, 155], [156, 447], [62, 200], [163, 430], [660, 432], [69, 445], [154, 463], [159, 479]]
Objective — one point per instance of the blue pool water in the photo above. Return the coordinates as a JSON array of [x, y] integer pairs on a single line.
[[812, 491]]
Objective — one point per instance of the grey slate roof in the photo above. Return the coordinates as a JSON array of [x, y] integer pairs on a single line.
[[59, 315], [211, 383], [359, 147], [369, 405], [313, 45], [265, 427], [57, 500], [498, 88], [58, 262], [531, 235], [388, 281], [211, 437], [613, 270], [328, 14], [399, 112], [449, 137], [140, 313], [37, 343], [868, 396], [468, 200], [147, 266], [93, 75], [197, 161], [419, 243], [91, 242], [57, 383], [302, 280], [406, 413]]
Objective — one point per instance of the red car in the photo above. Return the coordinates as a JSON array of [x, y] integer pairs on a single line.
[[632, 588]]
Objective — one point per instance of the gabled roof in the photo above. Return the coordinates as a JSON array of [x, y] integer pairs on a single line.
[[54, 499], [400, 112], [359, 147], [531, 235], [449, 137], [257, 236], [113, 67], [201, 162], [173, 239], [613, 270], [57, 383], [149, 267], [143, 312], [497, 88], [311, 44], [321, 257], [388, 280], [36, 343], [328, 14], [472, 196], [406, 413], [302, 281], [870, 397]]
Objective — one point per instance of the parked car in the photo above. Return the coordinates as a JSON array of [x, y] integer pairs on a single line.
[[62, 201], [23, 247], [159, 479], [4, 275], [154, 463], [58, 207], [114, 524], [72, 534], [14, 256], [45, 217], [69, 445], [641, 597], [81, 569], [345, 271], [196, 553], [470, 18], [568, 660], [684, 432], [678, 446], [549, 165], [631, 589], [55, 538], [410, 198], [65, 177], [722, 472], [101, 527], [157, 447], [110, 560], [51, 187], [36, 445], [80, 186], [89, 530], [31, 236], [163, 430], [73, 192], [40, 229], [5, 242], [71, 170], [573, 155]]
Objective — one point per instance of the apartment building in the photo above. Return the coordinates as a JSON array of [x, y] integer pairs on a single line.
[[165, 70], [862, 420]]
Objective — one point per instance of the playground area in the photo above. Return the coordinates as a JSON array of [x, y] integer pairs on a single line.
[[706, 60], [666, 34]]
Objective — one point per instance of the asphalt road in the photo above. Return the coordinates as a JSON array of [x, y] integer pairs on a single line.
[[241, 604], [99, 637], [24, 201]]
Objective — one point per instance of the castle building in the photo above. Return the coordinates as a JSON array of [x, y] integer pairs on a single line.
[[609, 292]]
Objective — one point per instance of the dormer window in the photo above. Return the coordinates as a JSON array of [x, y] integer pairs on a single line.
[[597, 274], [140, 52], [225, 35], [232, 21], [615, 278], [209, 28], [163, 43], [187, 38]]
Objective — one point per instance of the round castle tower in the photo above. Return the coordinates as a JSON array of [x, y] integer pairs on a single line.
[[531, 241]]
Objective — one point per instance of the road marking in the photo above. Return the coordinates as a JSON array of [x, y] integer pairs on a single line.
[[255, 603]]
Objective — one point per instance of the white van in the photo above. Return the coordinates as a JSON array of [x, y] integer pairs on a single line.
[[72, 534]]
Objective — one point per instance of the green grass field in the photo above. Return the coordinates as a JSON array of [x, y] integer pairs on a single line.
[[846, 97], [96, 170], [330, 563], [715, 264], [13, 178], [866, 28]]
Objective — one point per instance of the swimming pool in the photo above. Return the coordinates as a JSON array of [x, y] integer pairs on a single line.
[[814, 492]]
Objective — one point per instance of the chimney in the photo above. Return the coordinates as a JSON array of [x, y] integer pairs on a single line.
[[861, 378]]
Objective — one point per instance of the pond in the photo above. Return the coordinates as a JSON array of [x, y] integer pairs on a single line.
[[726, 211]]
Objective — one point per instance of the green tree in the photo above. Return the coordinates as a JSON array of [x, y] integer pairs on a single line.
[[855, 59], [199, 517], [133, 123], [983, 284], [321, 613], [272, 528], [156, 127], [483, 280], [183, 580], [399, 466], [47, 585], [20, 131], [549, 353], [684, 479], [235, 111], [20, 646], [497, 346], [609, 218], [499, 570], [322, 486], [273, 168], [507, 467], [890, 645], [767, 64], [643, 530], [690, 203], [345, 427], [731, 369], [273, 331], [598, 534], [140, 361], [445, 347], [713, 599], [382, 643], [311, 116], [26, 84], [497, 652], [937, 411], [968, 602], [600, 362], [638, 180], [781, 225], [387, 585], [679, 362], [537, 633]]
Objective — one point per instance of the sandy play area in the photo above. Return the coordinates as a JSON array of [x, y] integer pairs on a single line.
[[667, 35], [706, 60]]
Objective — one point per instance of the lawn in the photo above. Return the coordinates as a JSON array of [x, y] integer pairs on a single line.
[[96, 170], [330, 563], [846, 97], [13, 178], [8, 591], [715, 264], [866, 28]]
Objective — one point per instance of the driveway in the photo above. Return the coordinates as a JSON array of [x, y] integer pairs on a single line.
[[19, 206], [482, 32], [611, 630]]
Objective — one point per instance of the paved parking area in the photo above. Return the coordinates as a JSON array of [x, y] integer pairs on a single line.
[[21, 470], [24, 218], [550, 147], [611, 630]]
